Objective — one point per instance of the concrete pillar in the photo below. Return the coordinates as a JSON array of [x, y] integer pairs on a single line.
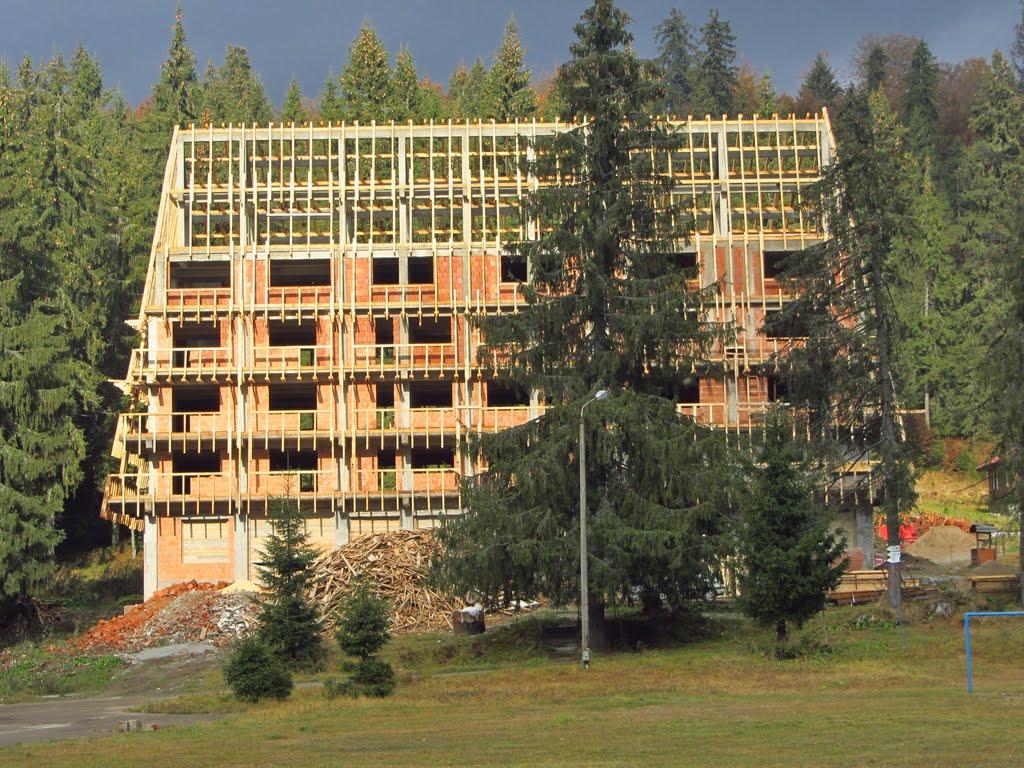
[[150, 574], [864, 521], [341, 527], [241, 543]]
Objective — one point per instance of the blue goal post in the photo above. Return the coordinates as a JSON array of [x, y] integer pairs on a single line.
[[967, 637]]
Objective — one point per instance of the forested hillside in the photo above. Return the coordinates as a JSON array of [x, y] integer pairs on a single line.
[[80, 173]]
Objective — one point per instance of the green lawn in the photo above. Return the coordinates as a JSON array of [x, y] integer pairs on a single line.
[[878, 698]]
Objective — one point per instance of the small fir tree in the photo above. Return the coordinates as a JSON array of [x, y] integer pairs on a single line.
[[789, 555], [362, 633], [254, 672], [234, 92], [293, 111], [289, 624], [921, 101], [330, 104]]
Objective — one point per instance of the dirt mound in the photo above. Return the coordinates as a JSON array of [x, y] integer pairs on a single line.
[[184, 612], [995, 568], [943, 544], [395, 563]]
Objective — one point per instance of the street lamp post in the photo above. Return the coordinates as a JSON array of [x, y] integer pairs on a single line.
[[601, 394]]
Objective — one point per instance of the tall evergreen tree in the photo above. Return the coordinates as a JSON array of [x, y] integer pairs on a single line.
[[235, 93], [920, 101], [676, 46], [411, 98], [606, 307], [790, 557], [843, 377], [876, 68], [716, 72], [1017, 49], [330, 106], [366, 78], [292, 110], [507, 94], [939, 356], [174, 96], [768, 101], [819, 88]]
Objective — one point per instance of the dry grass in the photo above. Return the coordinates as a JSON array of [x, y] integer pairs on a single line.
[[721, 701]]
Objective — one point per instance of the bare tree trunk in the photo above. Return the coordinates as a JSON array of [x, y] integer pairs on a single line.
[[781, 635], [598, 624]]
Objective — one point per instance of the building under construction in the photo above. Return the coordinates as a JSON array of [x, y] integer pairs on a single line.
[[305, 327]]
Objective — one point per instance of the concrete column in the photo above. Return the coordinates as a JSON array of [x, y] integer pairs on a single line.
[[864, 521], [241, 542], [341, 528], [150, 573]]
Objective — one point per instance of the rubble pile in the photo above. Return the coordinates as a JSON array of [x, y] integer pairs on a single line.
[[186, 612], [395, 564]]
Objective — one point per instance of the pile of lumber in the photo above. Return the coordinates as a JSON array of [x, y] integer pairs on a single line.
[[394, 563], [865, 586]]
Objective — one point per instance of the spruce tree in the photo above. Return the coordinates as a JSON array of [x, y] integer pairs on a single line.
[[606, 307], [790, 558], [289, 623], [843, 376], [174, 96], [41, 446], [876, 68], [716, 72], [292, 111], [366, 78], [330, 104], [674, 38], [819, 88], [507, 94], [1017, 49], [768, 101], [920, 101], [234, 92]]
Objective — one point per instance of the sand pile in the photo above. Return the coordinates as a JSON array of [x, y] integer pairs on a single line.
[[944, 544]]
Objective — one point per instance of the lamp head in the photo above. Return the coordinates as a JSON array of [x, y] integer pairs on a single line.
[[601, 394]]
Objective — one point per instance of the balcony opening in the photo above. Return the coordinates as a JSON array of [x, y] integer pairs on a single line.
[[430, 394], [775, 263], [688, 392], [195, 336], [292, 397], [386, 395], [384, 331], [433, 458], [778, 390], [430, 330], [513, 268], [292, 461], [421, 270], [285, 334], [778, 326], [186, 400], [197, 399], [185, 465], [387, 466], [502, 394], [683, 260], [302, 463], [299, 272], [205, 274], [385, 270]]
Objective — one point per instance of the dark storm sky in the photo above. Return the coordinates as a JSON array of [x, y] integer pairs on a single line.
[[306, 38]]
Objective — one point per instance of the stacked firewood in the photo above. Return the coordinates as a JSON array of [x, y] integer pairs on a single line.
[[395, 564]]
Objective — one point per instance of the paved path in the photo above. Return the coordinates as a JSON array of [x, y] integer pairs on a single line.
[[59, 718]]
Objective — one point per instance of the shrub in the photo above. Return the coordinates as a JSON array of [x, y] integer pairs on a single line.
[[371, 677], [253, 672]]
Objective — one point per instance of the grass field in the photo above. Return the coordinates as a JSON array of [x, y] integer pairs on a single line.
[[877, 697]]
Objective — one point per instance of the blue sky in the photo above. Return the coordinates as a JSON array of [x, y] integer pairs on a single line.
[[312, 36]]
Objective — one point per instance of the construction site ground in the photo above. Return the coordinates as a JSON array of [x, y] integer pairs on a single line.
[[860, 691]]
